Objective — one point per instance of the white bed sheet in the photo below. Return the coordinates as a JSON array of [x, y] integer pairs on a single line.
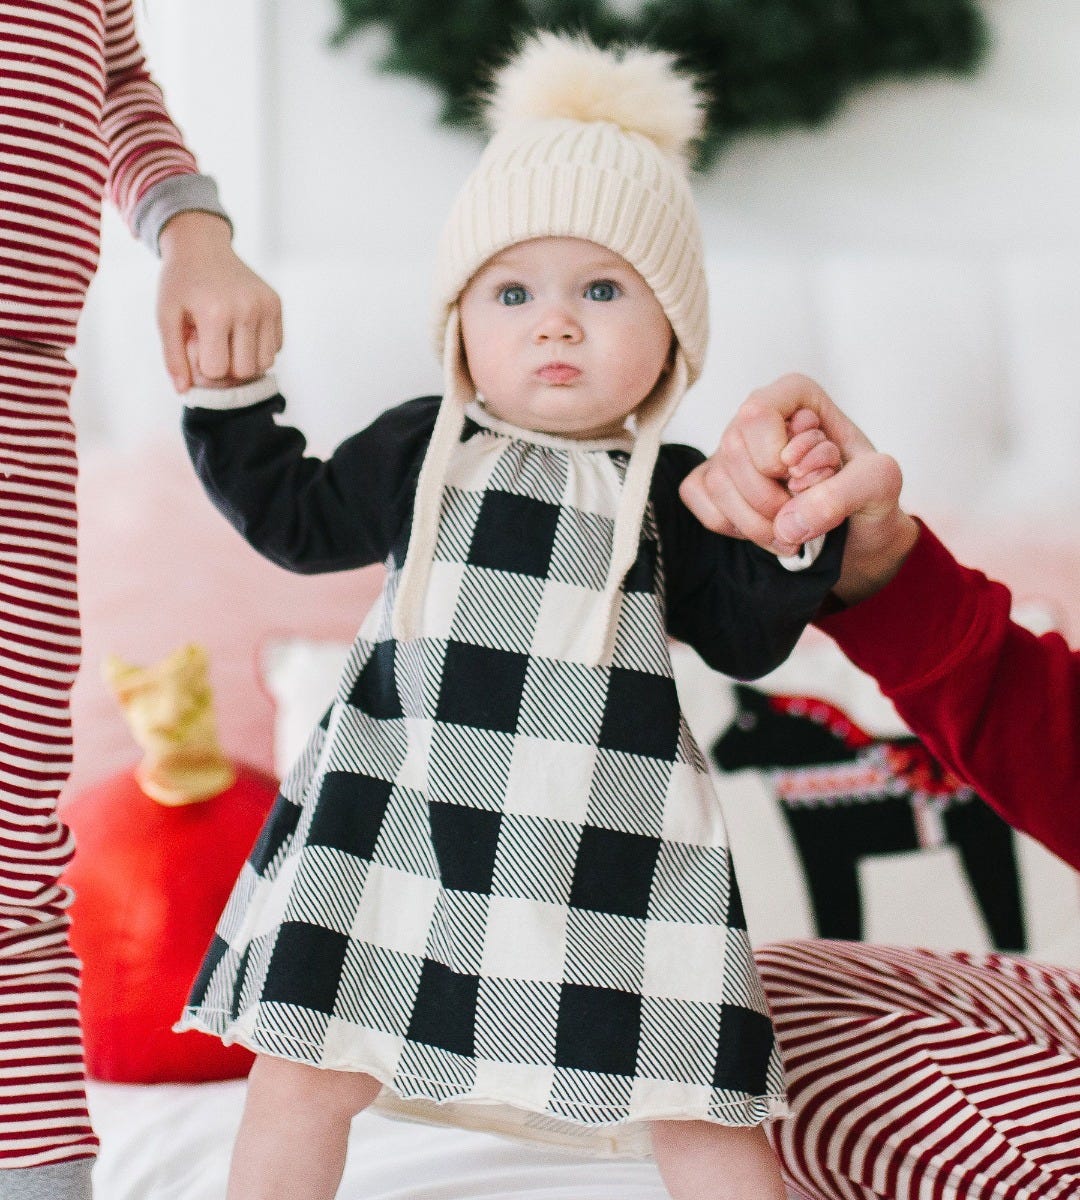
[[172, 1142]]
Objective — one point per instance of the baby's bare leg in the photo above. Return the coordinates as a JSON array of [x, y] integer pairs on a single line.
[[295, 1129], [700, 1160]]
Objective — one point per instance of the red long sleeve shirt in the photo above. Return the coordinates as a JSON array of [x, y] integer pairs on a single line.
[[79, 117], [144, 146], [997, 704]]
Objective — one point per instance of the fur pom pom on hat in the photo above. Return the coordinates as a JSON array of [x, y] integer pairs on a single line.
[[591, 144], [570, 78]]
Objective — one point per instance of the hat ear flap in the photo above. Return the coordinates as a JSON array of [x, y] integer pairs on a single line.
[[458, 390], [658, 407], [652, 415]]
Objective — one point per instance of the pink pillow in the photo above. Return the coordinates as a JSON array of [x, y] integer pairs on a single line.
[[159, 567]]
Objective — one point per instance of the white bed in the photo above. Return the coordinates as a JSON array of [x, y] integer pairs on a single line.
[[172, 1142]]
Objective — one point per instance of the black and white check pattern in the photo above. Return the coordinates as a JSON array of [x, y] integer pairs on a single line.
[[499, 875]]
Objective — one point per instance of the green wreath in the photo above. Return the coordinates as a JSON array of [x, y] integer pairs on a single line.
[[767, 65]]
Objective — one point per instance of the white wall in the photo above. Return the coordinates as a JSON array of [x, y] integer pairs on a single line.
[[339, 180]]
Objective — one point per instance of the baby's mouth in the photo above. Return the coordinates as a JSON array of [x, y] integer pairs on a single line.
[[558, 373]]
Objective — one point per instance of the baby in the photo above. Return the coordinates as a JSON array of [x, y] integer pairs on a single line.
[[496, 888]]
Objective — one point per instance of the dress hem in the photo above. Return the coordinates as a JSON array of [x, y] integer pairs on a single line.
[[594, 1136]]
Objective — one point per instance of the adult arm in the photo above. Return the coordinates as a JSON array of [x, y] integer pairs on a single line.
[[305, 513], [144, 145], [206, 295], [734, 602], [998, 705]]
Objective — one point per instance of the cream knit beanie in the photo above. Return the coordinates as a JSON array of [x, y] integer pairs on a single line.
[[587, 144]]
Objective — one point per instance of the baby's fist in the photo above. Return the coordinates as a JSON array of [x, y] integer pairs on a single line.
[[810, 456]]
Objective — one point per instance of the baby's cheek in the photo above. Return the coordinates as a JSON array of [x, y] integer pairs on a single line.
[[482, 368]]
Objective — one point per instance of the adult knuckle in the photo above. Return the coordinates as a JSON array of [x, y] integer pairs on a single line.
[[714, 476], [824, 508], [730, 442], [796, 381], [755, 404], [893, 475]]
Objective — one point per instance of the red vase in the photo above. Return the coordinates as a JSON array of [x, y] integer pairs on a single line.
[[150, 882]]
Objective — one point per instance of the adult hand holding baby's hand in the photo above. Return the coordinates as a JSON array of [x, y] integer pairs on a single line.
[[209, 297], [791, 466], [775, 440], [199, 380]]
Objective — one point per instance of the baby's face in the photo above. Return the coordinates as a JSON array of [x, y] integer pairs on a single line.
[[563, 336]]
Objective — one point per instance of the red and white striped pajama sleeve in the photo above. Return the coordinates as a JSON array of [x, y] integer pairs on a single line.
[[79, 116], [922, 1075]]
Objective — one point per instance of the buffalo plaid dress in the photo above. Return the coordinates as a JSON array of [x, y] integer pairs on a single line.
[[497, 879]]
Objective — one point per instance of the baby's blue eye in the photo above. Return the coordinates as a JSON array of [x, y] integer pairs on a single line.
[[602, 289], [513, 295]]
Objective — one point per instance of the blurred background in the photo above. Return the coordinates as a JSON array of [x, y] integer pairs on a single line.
[[919, 253]]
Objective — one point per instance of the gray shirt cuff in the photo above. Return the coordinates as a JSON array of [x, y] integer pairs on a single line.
[[172, 195]]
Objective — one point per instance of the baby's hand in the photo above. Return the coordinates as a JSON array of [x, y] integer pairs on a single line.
[[810, 456]]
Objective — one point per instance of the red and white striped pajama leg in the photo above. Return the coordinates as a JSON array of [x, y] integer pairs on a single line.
[[53, 169], [79, 117], [921, 1075]]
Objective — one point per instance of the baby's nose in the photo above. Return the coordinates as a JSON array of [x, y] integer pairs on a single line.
[[558, 324]]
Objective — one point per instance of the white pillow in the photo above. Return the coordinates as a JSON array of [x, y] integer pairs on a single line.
[[911, 344], [1039, 314], [301, 675]]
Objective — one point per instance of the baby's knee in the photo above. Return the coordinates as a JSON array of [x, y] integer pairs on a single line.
[[703, 1159], [300, 1086], [689, 1138]]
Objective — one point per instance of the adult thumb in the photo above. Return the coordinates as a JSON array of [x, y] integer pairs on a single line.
[[172, 326], [869, 483]]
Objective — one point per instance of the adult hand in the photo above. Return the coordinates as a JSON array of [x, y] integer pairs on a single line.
[[746, 488], [209, 298], [199, 380]]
